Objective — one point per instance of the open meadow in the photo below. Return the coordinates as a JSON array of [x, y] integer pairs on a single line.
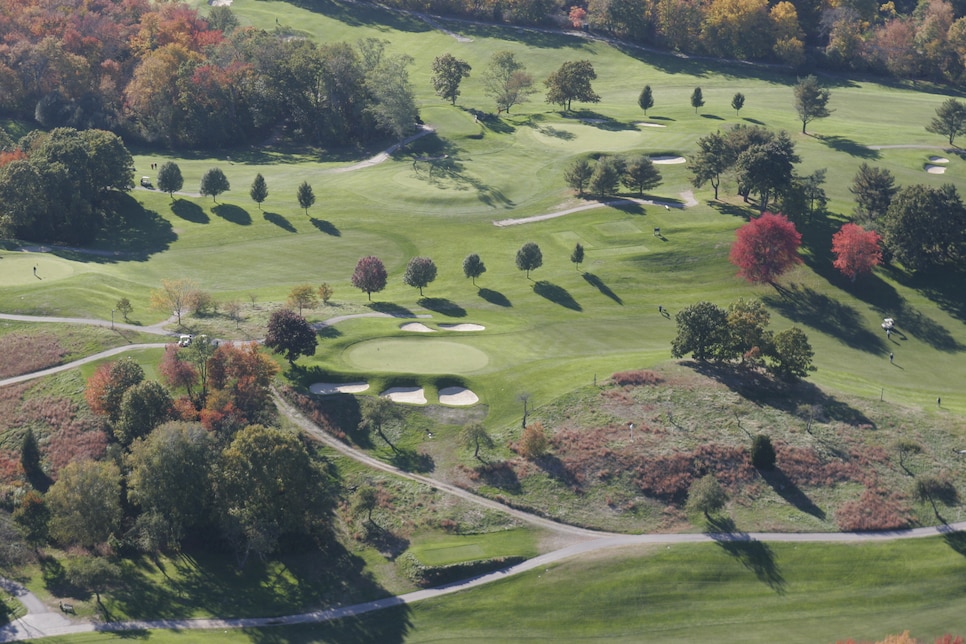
[[547, 345]]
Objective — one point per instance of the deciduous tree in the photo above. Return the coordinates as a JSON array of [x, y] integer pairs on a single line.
[[702, 331], [448, 73], [706, 496], [85, 503], [106, 387], [93, 574], [714, 157], [925, 227], [303, 296], [572, 83], [378, 414], [123, 306], [811, 100], [474, 435], [791, 354], [169, 178], [534, 442], [507, 81], [737, 102], [857, 251], [473, 267], [697, 99], [950, 119], [290, 335], [214, 182], [259, 190], [369, 275], [173, 296], [306, 196], [176, 371], [144, 406], [766, 247], [326, 292], [420, 272], [529, 258]]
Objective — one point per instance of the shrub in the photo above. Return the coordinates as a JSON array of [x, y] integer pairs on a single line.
[[534, 442], [426, 576], [637, 377], [762, 453]]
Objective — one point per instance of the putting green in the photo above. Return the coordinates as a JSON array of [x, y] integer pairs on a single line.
[[415, 355], [17, 269]]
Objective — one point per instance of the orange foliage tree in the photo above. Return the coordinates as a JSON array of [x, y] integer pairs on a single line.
[[857, 251]]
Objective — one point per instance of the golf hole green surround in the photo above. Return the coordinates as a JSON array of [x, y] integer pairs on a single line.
[[415, 355]]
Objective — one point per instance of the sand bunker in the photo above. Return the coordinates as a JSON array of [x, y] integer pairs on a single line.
[[938, 160], [417, 327], [462, 327], [329, 388], [668, 160], [649, 125], [935, 169], [408, 395], [458, 396]]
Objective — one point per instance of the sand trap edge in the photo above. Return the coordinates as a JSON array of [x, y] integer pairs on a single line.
[[330, 388]]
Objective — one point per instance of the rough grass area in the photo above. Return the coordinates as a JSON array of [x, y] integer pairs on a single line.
[[623, 457]]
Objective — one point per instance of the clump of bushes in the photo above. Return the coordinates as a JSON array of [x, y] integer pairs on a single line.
[[427, 576], [637, 377]]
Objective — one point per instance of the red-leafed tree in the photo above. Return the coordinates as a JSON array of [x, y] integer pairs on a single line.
[[857, 250], [105, 388], [577, 16], [176, 372], [766, 247], [370, 275]]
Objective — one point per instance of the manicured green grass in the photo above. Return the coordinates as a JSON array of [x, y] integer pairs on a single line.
[[436, 550]]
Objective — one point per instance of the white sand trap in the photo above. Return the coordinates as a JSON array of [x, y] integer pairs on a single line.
[[329, 388], [417, 327], [642, 124], [458, 396], [408, 395], [220, 3], [462, 327], [938, 160], [668, 160], [935, 169]]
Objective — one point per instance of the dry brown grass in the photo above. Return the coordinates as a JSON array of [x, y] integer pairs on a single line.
[[25, 353]]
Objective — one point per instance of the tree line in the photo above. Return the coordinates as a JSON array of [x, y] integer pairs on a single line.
[[163, 73]]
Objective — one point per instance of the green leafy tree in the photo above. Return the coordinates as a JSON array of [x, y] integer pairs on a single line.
[[266, 486], [366, 500], [124, 307], [290, 335], [706, 496], [259, 190], [448, 73], [702, 331], [420, 272], [106, 387], [473, 267], [169, 178], [213, 183], [475, 436], [30, 456], [811, 101], [767, 169], [572, 82], [506, 81], [85, 503], [326, 292], [605, 177], [791, 354], [144, 406], [737, 102], [697, 99], [762, 453], [306, 196], [925, 227], [578, 174], [378, 414], [577, 256], [749, 337], [303, 296], [950, 120], [640, 174], [714, 157], [169, 481], [94, 574], [393, 105], [529, 258], [646, 99], [874, 189], [33, 517], [369, 275]]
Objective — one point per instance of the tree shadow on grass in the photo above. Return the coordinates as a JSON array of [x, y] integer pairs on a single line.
[[494, 297], [713, 117], [326, 227], [956, 540], [807, 306], [328, 332], [557, 470], [443, 306], [232, 213], [280, 221], [628, 206], [944, 287], [755, 121], [391, 308], [733, 210], [754, 555], [501, 475], [762, 389], [389, 544], [850, 147], [556, 294], [602, 122], [793, 494], [595, 281], [409, 460], [189, 211]]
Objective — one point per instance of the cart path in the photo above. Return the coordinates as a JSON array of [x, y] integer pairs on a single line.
[[687, 196]]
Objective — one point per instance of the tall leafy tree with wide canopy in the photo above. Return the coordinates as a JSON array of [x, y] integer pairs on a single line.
[[811, 100], [529, 258], [857, 250], [290, 335], [473, 267], [420, 272], [369, 275], [213, 183], [950, 119], [448, 72], [925, 227], [766, 247], [85, 503], [506, 81], [571, 82], [169, 178], [702, 331]]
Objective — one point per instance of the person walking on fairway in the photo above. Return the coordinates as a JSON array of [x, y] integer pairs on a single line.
[[891, 356]]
